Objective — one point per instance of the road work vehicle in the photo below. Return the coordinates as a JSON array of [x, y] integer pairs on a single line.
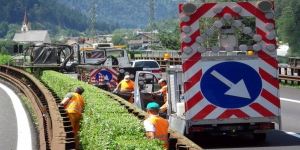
[[46, 56], [103, 65], [231, 88]]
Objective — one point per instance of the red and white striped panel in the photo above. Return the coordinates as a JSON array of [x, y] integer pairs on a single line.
[[97, 54], [196, 106], [113, 71]]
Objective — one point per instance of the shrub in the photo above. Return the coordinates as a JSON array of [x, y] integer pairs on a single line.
[[105, 124]]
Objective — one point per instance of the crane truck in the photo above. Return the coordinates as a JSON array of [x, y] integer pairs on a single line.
[[226, 89]]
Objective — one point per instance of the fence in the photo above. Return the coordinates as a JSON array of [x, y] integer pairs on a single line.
[[175, 58], [291, 74]]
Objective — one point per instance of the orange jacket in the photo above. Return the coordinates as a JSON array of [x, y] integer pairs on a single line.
[[161, 129], [126, 86], [75, 105]]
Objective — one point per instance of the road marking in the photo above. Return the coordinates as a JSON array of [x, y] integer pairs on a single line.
[[24, 134], [289, 100], [293, 134]]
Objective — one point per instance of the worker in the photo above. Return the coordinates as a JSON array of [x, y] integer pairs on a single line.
[[126, 86], [156, 126], [73, 104], [163, 90]]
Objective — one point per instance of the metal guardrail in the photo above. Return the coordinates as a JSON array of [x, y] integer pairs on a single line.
[[286, 75], [54, 131], [289, 74]]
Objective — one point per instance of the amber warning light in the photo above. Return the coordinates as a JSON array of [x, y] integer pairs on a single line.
[[166, 56]]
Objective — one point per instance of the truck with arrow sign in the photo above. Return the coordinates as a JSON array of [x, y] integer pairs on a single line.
[[228, 89]]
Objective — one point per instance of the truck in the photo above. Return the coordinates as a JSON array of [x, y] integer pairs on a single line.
[[103, 65], [228, 89]]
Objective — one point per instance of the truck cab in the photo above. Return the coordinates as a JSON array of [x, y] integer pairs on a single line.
[[104, 53]]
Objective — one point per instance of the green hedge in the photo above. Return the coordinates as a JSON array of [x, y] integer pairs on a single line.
[[105, 124]]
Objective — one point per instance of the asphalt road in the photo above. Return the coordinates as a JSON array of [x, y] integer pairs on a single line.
[[287, 139], [17, 131], [8, 130]]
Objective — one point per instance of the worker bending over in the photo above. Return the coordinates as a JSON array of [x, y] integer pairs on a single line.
[[126, 86]]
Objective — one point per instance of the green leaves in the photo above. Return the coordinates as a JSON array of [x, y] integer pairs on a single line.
[[106, 124]]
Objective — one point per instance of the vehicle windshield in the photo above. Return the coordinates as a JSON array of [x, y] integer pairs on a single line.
[[115, 52], [146, 64]]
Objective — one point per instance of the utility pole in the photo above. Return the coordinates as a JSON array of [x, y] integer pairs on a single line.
[[151, 18], [93, 18]]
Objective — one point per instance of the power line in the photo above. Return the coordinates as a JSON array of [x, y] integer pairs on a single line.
[[151, 18], [93, 18]]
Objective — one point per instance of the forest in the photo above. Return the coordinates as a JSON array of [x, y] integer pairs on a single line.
[[73, 18], [46, 15]]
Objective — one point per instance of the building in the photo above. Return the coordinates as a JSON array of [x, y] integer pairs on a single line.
[[143, 42], [34, 36]]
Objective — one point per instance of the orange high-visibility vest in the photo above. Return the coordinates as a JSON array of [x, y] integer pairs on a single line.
[[161, 129], [75, 104]]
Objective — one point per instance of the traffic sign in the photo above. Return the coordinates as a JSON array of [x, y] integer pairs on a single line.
[[106, 75], [231, 84]]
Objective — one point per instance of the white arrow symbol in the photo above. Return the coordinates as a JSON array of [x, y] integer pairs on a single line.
[[238, 90]]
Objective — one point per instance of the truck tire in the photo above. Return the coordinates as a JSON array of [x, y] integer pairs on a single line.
[[259, 136]]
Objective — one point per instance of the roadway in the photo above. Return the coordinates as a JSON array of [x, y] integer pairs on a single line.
[[17, 131], [287, 139]]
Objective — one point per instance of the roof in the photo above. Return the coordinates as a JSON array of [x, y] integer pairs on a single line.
[[31, 36], [135, 42]]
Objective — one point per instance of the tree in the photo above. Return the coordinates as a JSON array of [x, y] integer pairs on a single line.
[[169, 40], [288, 24], [3, 28], [4, 51], [117, 39]]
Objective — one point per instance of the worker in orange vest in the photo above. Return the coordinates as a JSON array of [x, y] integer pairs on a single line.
[[163, 90], [73, 104], [156, 126], [126, 86]]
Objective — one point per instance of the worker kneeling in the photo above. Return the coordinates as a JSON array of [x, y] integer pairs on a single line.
[[156, 126], [126, 87]]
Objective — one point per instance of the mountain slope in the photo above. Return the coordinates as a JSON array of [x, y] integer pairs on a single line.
[[126, 14], [48, 15]]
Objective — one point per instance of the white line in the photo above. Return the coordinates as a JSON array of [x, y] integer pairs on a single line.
[[24, 135], [293, 134], [289, 100]]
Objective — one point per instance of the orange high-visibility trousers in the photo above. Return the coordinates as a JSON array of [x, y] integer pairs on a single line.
[[75, 122]]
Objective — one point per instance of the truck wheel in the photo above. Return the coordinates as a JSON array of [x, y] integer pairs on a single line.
[[259, 136]]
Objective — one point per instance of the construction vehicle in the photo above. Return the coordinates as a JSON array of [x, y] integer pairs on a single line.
[[103, 65], [47, 56], [229, 94]]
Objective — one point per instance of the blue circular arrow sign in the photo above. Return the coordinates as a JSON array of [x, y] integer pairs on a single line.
[[231, 85], [106, 75]]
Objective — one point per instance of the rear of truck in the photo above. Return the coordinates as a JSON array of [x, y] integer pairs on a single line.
[[229, 88]]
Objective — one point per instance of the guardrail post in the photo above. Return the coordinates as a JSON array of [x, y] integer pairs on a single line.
[[298, 73]]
